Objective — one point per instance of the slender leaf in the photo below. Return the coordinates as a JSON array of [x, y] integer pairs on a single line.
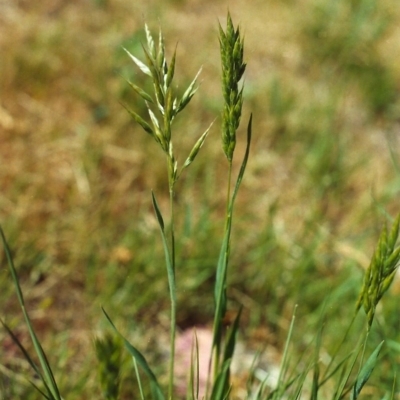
[[366, 372], [140, 360], [219, 290], [170, 271], [220, 391], [194, 384], [231, 339], [334, 371], [285, 357], [139, 380], [346, 375], [22, 348], [169, 261], [47, 377], [245, 158]]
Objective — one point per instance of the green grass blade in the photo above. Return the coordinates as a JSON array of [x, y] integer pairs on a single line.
[[231, 340], [41, 391], [316, 370], [245, 159], [47, 377], [334, 371], [156, 390], [219, 290], [170, 268], [22, 348], [222, 383], [346, 375], [30, 361], [169, 261], [315, 383], [193, 386], [300, 381], [327, 374], [260, 389], [285, 357], [252, 375], [220, 390], [366, 372], [158, 213], [139, 380], [276, 394]]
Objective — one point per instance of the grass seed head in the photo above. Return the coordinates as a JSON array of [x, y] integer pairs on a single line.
[[381, 271], [233, 67], [163, 107]]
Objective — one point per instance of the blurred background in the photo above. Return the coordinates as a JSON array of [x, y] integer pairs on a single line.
[[322, 81]]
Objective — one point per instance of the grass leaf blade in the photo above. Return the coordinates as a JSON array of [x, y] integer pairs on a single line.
[[245, 158], [139, 359], [366, 372], [47, 377]]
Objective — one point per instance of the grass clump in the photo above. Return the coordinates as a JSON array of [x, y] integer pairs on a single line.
[[305, 377], [108, 353]]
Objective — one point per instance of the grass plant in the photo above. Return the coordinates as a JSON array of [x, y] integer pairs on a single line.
[[303, 373]]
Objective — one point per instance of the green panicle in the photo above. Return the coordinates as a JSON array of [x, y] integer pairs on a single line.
[[233, 67], [381, 271]]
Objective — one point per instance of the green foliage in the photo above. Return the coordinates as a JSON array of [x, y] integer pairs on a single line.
[[108, 353]]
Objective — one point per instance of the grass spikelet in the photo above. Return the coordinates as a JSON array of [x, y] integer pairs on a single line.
[[233, 67], [381, 271]]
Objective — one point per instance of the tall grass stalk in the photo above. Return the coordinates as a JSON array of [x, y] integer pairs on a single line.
[[233, 68], [162, 108]]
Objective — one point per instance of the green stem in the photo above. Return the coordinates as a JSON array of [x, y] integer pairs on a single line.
[[173, 295], [363, 350], [217, 349], [228, 197]]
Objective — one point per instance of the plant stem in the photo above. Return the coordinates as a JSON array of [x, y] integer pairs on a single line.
[[173, 290], [228, 196], [228, 216]]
